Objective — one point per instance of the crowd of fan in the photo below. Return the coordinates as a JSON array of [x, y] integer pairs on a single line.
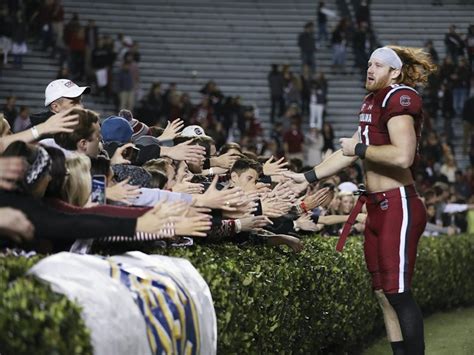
[[448, 189], [189, 162], [226, 194], [109, 65], [231, 195]]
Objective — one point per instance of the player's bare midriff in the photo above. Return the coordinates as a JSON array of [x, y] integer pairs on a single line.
[[380, 177]]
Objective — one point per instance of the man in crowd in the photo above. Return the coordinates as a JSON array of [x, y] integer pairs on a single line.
[[60, 95], [306, 42]]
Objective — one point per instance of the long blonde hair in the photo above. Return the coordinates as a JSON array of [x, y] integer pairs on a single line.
[[78, 184], [417, 66]]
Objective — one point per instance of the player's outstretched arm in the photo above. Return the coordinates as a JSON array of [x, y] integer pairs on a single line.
[[333, 164], [330, 166]]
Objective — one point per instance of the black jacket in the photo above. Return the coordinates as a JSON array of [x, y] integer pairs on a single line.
[[40, 117], [55, 226]]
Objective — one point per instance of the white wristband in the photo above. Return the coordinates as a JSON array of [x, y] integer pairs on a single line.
[[34, 132], [295, 226], [211, 171], [238, 226]]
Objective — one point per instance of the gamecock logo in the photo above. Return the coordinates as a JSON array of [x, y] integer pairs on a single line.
[[405, 100]]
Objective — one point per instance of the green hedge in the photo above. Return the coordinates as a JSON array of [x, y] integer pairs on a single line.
[[33, 319], [267, 300]]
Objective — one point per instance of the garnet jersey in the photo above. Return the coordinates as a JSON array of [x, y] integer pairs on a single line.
[[379, 107]]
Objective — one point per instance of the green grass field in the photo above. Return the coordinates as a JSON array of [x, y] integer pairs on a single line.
[[449, 333]]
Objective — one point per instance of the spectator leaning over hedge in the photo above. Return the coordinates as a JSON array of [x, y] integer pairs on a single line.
[[386, 141], [60, 122], [43, 223], [84, 138], [244, 175]]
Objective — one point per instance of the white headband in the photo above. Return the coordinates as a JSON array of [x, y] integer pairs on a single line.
[[388, 57]]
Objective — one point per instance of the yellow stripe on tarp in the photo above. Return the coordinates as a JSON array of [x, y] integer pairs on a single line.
[[175, 333], [197, 329], [164, 338], [189, 348], [177, 297], [151, 340], [153, 297], [115, 272]]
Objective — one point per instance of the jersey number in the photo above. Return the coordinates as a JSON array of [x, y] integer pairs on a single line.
[[365, 134]]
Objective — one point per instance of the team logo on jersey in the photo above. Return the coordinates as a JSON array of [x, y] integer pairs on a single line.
[[384, 205], [405, 100]]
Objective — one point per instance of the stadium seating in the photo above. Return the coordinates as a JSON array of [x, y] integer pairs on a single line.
[[233, 43]]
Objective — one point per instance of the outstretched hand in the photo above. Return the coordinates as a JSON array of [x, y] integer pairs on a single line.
[[274, 167], [185, 151], [273, 208], [60, 122], [296, 177], [122, 192], [195, 226], [306, 223], [251, 223], [151, 221], [12, 169], [348, 146], [226, 199], [225, 161], [186, 186], [171, 130], [118, 158], [15, 225], [317, 199]]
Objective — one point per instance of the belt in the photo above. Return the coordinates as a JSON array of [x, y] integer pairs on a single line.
[[375, 197], [351, 220]]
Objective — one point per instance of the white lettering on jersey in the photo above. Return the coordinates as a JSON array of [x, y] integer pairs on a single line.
[[365, 134], [365, 117]]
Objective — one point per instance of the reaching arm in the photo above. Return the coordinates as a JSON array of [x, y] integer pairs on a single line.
[[331, 165], [335, 219], [335, 162], [60, 122]]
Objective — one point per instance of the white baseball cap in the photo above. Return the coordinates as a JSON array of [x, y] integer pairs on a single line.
[[63, 88], [347, 187], [193, 131]]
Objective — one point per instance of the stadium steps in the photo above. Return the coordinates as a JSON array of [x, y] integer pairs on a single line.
[[190, 42], [29, 82], [233, 43]]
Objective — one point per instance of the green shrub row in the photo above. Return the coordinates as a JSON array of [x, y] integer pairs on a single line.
[[267, 300], [34, 319]]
